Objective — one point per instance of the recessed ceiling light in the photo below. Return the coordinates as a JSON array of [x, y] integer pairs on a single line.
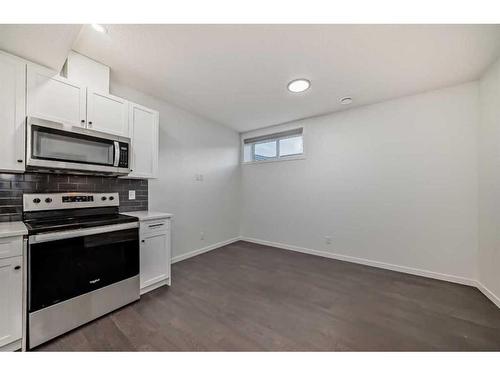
[[299, 85], [99, 28], [346, 100]]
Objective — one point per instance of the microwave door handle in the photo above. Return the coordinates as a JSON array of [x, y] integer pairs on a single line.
[[117, 153]]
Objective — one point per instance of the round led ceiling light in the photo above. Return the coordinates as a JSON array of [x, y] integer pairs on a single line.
[[299, 85], [99, 28]]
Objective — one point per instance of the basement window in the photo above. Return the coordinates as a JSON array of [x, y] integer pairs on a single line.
[[276, 146]]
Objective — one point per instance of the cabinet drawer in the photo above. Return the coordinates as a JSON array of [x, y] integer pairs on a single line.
[[11, 247], [154, 226]]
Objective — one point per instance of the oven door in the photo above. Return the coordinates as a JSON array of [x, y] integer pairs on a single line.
[[63, 265], [56, 147]]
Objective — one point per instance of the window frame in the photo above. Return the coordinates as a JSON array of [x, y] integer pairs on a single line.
[[277, 157]]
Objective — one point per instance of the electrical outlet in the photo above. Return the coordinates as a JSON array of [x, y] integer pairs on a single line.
[[202, 236], [131, 195], [328, 240]]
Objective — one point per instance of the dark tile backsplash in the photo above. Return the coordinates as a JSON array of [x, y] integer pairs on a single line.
[[12, 187]]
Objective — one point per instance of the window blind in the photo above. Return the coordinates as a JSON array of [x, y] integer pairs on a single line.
[[286, 133]]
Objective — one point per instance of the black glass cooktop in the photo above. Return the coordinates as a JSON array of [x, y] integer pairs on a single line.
[[74, 219]]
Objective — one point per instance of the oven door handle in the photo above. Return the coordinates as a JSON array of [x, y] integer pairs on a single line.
[[54, 236]]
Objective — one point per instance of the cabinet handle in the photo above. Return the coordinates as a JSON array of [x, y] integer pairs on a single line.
[[155, 225], [83, 121], [17, 268], [19, 160], [143, 241]]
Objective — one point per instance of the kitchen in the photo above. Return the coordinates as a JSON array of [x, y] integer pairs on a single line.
[[64, 148]]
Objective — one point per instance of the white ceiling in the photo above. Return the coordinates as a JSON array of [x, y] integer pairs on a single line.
[[237, 74], [44, 44]]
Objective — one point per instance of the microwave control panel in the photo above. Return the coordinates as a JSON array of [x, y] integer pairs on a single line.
[[123, 161]]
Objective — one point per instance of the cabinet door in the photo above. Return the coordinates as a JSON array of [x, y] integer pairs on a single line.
[[12, 113], [107, 113], [144, 134], [55, 98], [11, 300], [155, 259]]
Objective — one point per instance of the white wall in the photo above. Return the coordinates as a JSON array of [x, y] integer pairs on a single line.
[[191, 145], [489, 181], [394, 182]]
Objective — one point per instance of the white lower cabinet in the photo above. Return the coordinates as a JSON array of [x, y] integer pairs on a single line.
[[11, 289], [155, 254]]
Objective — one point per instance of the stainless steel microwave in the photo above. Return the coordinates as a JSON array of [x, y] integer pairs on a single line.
[[59, 148]]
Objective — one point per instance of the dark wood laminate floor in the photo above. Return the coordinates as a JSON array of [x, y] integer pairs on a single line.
[[251, 297]]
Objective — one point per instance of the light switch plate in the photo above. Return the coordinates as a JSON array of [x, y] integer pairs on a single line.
[[131, 195]]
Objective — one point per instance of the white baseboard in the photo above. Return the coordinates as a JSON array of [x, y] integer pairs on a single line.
[[154, 286], [488, 293], [205, 249], [367, 262], [12, 347]]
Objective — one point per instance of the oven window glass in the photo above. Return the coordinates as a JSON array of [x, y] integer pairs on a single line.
[[63, 269], [64, 146]]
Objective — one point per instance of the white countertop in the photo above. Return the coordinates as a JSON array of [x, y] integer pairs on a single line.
[[12, 228], [148, 215]]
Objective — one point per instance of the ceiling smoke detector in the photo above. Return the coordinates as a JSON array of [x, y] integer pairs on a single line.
[[299, 85], [346, 100]]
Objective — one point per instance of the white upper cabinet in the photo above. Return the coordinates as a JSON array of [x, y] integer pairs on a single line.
[[28, 89], [55, 98], [107, 113], [12, 113], [143, 130]]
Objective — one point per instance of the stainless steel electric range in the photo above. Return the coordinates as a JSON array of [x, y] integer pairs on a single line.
[[83, 261]]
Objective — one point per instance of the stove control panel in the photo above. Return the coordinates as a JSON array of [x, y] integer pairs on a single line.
[[78, 198], [60, 201]]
